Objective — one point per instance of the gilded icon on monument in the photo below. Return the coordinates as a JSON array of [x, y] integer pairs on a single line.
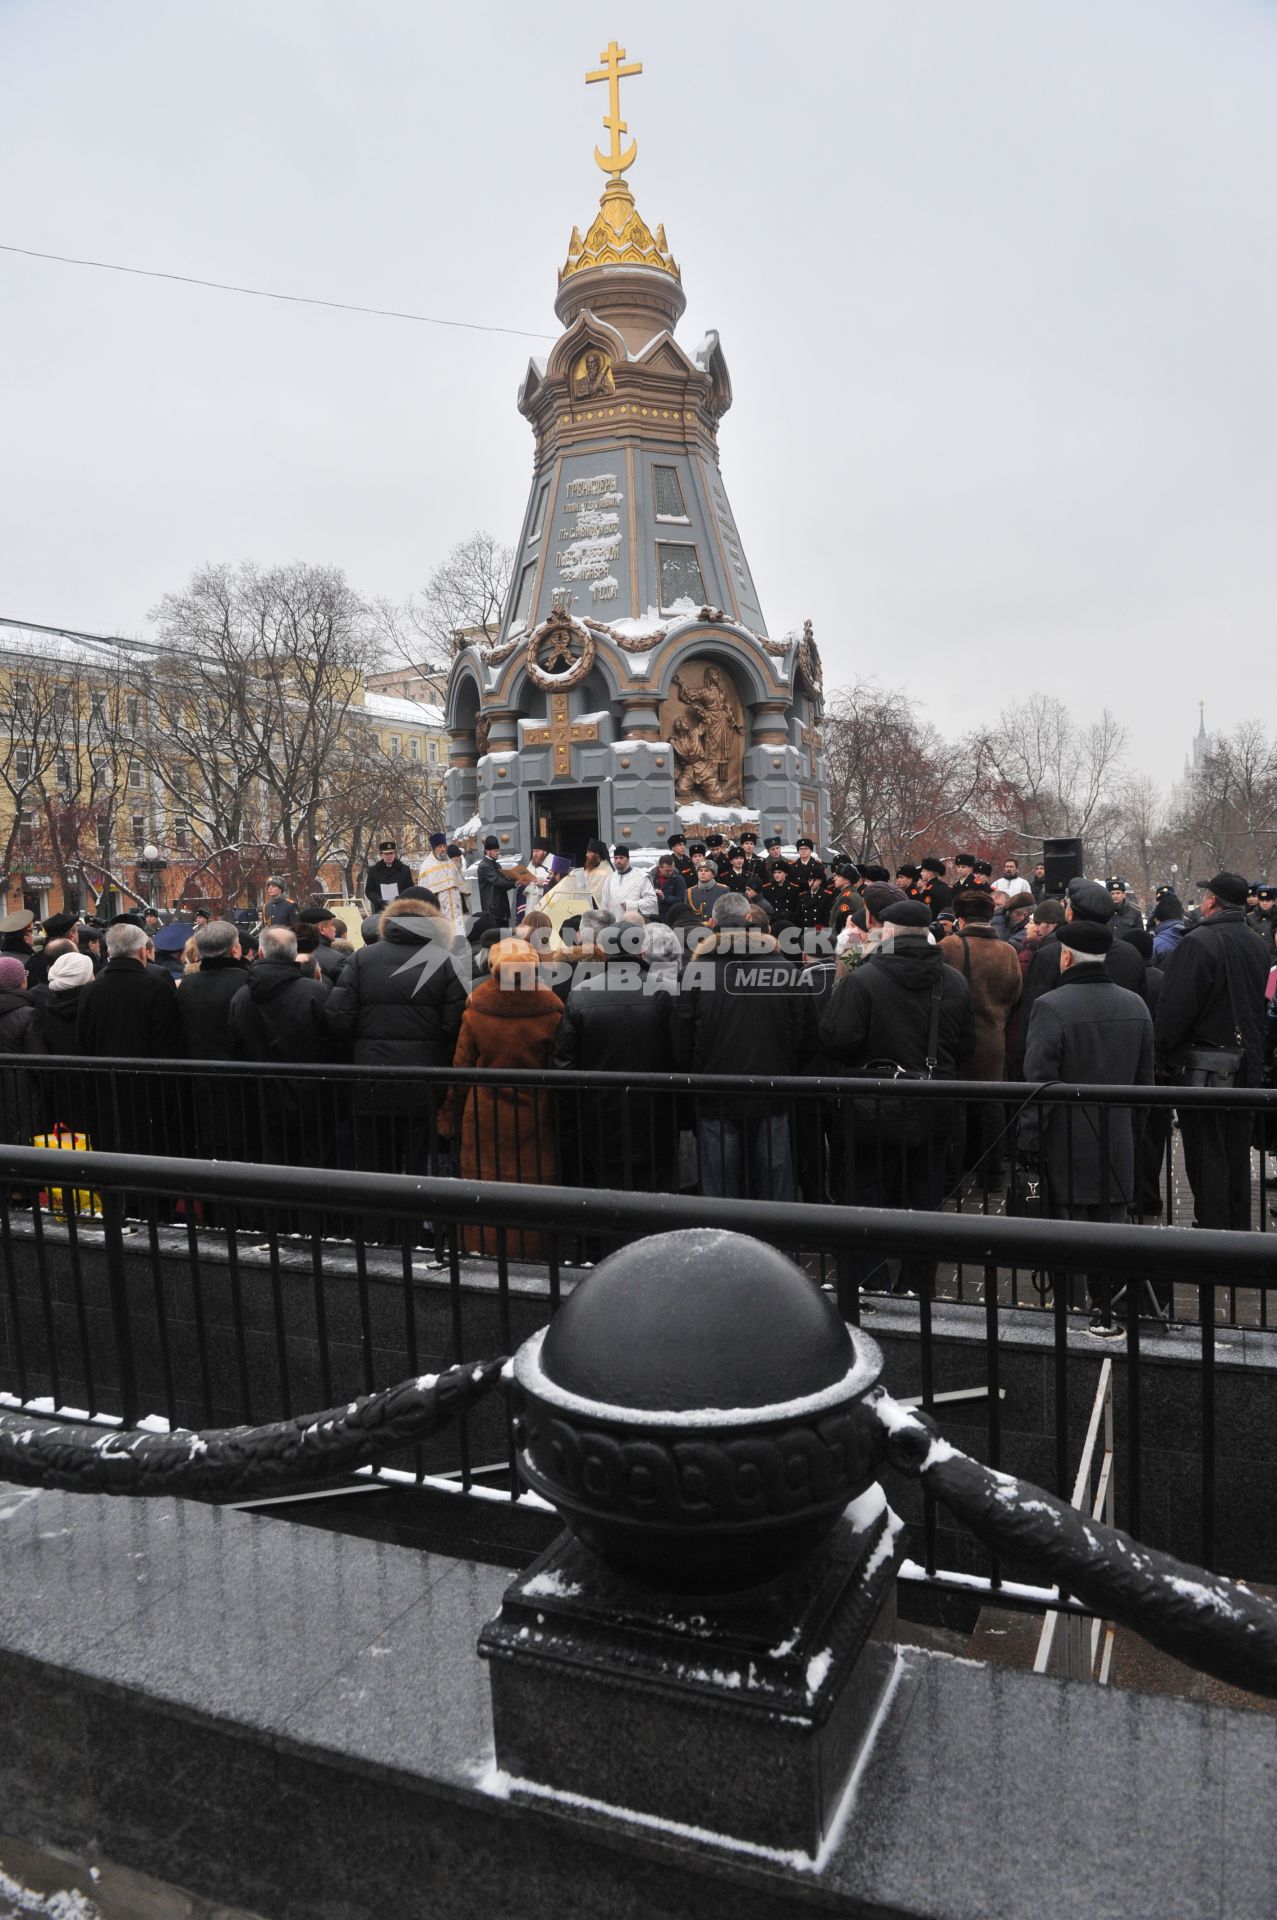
[[592, 376], [707, 733]]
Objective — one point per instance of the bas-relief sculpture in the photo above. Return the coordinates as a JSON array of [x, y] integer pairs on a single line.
[[704, 724]]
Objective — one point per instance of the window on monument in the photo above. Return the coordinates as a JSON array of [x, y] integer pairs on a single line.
[[668, 494], [523, 597], [538, 513], [680, 573]]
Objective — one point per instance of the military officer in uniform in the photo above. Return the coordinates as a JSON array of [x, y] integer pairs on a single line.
[[1264, 919], [755, 869], [909, 880], [733, 876], [16, 938], [809, 898], [934, 889], [1126, 914], [677, 844], [982, 874], [963, 870], [803, 867]]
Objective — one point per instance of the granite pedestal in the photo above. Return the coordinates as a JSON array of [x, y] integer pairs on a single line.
[[738, 1714]]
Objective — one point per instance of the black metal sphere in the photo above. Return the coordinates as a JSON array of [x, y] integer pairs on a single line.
[[696, 1411], [702, 1318]]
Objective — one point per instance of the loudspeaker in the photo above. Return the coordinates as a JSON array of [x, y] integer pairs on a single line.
[[1063, 862]]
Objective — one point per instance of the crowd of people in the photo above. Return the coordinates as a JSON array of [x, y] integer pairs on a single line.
[[717, 959]]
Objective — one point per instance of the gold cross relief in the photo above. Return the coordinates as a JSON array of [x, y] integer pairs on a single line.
[[562, 734]]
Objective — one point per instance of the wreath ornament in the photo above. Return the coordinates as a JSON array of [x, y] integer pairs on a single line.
[[560, 653]]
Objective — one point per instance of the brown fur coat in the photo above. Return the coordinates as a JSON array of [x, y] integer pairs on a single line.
[[995, 980], [506, 1133]]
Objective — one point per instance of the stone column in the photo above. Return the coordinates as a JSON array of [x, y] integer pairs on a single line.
[[461, 749], [769, 723], [640, 716], [503, 731]]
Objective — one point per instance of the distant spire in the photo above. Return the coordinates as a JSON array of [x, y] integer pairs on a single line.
[[1201, 724]]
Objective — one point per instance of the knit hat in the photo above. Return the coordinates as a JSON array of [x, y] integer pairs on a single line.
[[70, 970], [13, 974]]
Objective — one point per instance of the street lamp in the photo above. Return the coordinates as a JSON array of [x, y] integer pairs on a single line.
[[149, 868]]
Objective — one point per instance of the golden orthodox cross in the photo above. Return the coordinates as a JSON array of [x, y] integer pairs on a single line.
[[562, 733], [617, 159]]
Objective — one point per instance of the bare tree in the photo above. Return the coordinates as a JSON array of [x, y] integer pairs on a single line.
[[895, 785], [466, 591], [1227, 815], [1057, 774]]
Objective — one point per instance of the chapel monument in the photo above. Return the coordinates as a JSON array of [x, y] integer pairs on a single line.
[[633, 688]]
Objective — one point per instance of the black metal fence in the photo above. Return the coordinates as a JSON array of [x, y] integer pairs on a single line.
[[200, 1295], [967, 1146]]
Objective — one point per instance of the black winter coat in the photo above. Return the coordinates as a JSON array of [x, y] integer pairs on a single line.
[[66, 1098], [882, 1012], [398, 875], [496, 888], [741, 1010], [1195, 1007], [277, 1015], [57, 1015], [616, 1019], [204, 1007], [130, 1009], [1123, 965], [399, 1004], [19, 1033]]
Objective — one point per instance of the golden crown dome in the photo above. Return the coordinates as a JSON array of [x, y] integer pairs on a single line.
[[619, 237]]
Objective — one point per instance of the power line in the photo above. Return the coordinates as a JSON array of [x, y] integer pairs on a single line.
[[265, 293]]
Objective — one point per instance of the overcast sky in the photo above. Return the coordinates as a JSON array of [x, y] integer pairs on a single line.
[[995, 280]]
